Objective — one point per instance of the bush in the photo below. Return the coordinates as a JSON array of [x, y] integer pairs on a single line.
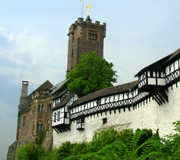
[[29, 152]]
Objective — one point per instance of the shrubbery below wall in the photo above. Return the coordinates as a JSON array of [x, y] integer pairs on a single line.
[[111, 145]]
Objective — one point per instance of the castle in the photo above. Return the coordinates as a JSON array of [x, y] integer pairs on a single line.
[[152, 101]]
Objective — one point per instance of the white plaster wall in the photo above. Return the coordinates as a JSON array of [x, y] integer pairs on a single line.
[[150, 116]]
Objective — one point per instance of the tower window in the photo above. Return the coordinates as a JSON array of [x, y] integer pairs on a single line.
[[92, 34], [42, 108]]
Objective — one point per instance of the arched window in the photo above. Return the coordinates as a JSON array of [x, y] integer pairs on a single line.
[[92, 36], [89, 36], [42, 108], [34, 109], [42, 127], [95, 36]]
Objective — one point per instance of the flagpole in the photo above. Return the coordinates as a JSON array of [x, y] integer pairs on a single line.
[[82, 7]]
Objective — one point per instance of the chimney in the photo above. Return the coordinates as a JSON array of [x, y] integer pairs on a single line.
[[24, 92]]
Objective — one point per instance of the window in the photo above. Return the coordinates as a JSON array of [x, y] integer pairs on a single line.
[[89, 36], [104, 120], [92, 34], [42, 108], [99, 102], [65, 115], [151, 73], [95, 36], [40, 127], [54, 117], [58, 115]]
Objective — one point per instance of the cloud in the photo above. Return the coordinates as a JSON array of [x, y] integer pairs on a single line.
[[31, 56]]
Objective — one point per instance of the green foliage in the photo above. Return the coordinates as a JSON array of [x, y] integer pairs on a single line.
[[50, 155], [42, 135], [112, 145], [171, 142], [103, 138], [80, 148], [92, 74], [29, 152], [64, 150]]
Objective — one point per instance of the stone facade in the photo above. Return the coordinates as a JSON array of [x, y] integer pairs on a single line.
[[84, 36], [11, 151], [35, 114]]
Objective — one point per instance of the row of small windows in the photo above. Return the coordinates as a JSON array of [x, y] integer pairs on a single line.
[[173, 67], [93, 36], [41, 108], [105, 100], [59, 116], [40, 126]]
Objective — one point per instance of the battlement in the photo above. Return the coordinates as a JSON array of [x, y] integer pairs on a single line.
[[88, 22]]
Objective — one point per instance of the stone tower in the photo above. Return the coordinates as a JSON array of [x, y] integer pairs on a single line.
[[84, 36]]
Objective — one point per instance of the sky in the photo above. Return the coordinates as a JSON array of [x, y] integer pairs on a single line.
[[34, 43]]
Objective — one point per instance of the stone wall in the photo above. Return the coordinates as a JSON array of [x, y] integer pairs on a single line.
[[148, 115], [12, 151]]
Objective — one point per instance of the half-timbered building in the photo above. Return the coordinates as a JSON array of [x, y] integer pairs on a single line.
[[150, 102]]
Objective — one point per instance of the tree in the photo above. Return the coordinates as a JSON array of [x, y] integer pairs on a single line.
[[92, 74]]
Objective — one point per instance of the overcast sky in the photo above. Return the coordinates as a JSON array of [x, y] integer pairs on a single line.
[[34, 43]]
